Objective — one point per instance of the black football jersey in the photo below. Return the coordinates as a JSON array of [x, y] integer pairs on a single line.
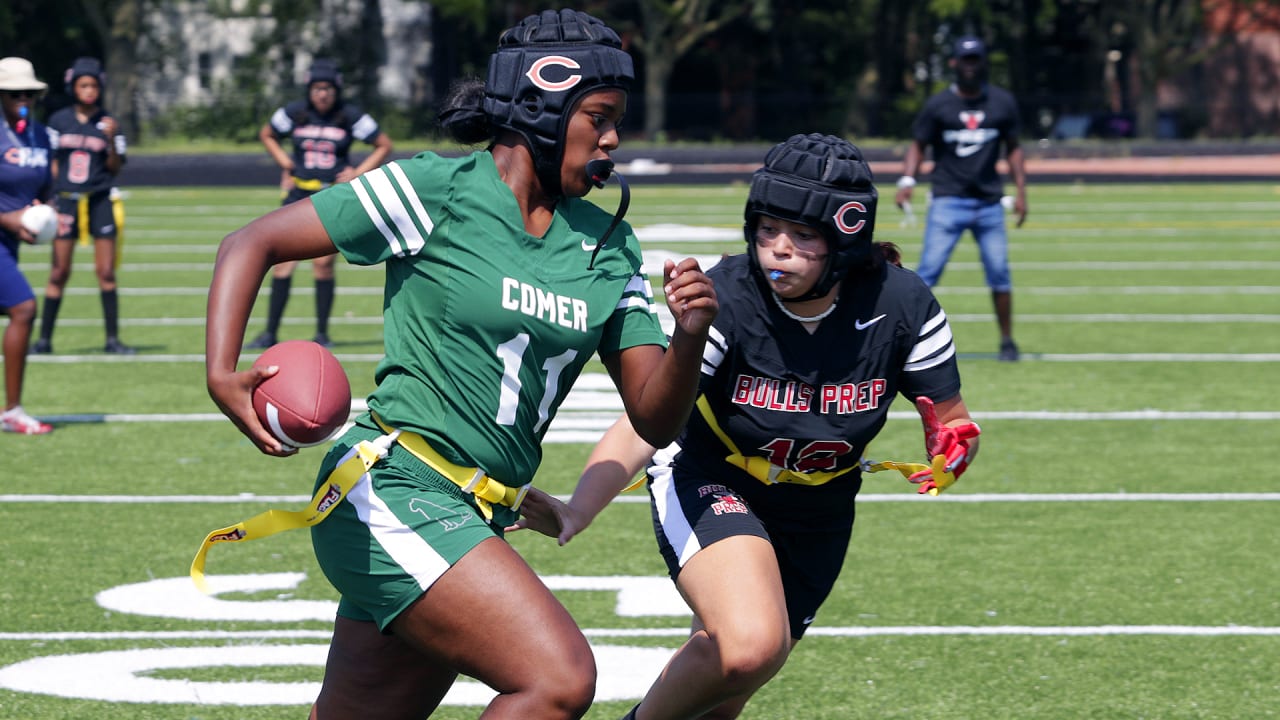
[[812, 402], [81, 150], [322, 143], [965, 135]]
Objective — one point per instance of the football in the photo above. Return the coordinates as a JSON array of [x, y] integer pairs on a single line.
[[41, 221], [307, 401]]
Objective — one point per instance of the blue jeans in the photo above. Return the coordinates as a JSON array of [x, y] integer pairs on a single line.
[[948, 218]]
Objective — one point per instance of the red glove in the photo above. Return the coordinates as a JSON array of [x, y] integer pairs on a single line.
[[946, 447]]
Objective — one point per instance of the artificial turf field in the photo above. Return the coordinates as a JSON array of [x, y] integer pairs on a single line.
[[1111, 554]]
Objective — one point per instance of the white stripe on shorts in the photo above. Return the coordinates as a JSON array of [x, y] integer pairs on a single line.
[[675, 526], [405, 546]]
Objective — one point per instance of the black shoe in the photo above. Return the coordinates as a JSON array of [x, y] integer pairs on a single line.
[[322, 339], [42, 347], [262, 342], [116, 347], [1009, 351]]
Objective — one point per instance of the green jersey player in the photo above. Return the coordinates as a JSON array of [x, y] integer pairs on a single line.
[[501, 283]]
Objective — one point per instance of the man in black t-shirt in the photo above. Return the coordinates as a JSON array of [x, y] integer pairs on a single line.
[[965, 125]]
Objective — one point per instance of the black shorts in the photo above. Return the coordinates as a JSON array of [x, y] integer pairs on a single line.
[[100, 215], [691, 510]]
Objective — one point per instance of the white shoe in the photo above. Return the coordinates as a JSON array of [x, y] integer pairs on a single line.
[[18, 421]]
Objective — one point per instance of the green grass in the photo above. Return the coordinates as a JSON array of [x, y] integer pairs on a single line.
[[1164, 287]]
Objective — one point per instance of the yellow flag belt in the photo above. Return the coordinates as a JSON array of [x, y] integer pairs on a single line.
[[766, 472], [350, 470]]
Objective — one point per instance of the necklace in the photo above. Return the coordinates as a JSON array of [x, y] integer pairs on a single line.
[[801, 318]]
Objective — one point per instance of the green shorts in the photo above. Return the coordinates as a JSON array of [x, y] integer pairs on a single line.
[[398, 530]]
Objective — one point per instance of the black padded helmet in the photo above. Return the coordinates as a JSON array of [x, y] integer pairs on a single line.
[[824, 182], [324, 70], [85, 66], [541, 68]]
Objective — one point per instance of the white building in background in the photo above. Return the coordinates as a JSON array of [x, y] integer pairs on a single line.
[[197, 51]]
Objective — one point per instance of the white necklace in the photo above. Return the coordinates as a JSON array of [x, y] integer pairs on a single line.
[[801, 318]]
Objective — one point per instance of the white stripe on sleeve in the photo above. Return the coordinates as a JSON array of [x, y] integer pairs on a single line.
[[380, 183]]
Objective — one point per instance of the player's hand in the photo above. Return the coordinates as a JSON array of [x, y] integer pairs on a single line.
[[691, 296], [947, 448], [548, 515], [346, 174], [903, 197], [233, 393], [108, 126], [1020, 208]]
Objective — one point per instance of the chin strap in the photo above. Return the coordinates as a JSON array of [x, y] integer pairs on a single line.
[[598, 171]]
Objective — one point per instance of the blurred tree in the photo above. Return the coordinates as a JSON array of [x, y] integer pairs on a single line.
[[1167, 38], [119, 23], [668, 30]]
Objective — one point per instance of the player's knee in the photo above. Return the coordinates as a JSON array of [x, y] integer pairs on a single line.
[[750, 656], [24, 313], [569, 691]]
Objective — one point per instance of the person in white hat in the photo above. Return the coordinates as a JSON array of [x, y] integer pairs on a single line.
[[24, 181]]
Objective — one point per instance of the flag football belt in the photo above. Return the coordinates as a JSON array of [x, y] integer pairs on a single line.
[[766, 472], [350, 470], [82, 219], [310, 184], [473, 481]]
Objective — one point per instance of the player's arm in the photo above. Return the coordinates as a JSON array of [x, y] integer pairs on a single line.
[[910, 166], [950, 441], [114, 160], [381, 151], [267, 136], [292, 232], [1018, 170], [952, 413], [658, 387], [614, 462]]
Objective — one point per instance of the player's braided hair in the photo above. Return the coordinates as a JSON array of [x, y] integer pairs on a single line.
[[824, 182], [541, 68]]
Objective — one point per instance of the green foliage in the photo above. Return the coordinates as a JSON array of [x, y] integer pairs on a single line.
[[233, 115]]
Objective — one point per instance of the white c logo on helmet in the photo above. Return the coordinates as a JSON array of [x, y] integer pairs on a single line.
[[845, 227], [535, 73]]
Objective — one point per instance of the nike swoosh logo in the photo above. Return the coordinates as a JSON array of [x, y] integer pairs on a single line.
[[589, 248], [859, 325], [967, 150]]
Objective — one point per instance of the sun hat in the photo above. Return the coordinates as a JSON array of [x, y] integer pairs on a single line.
[[18, 74]]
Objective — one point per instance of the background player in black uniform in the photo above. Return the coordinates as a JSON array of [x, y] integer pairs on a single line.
[[965, 125], [89, 151], [323, 128], [753, 505]]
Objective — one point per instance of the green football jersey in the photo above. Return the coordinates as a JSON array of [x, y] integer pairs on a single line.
[[486, 326]]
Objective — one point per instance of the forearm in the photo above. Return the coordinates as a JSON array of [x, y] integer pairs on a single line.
[[667, 398], [381, 151], [1018, 168], [238, 271], [275, 150], [613, 463], [911, 162], [114, 160], [953, 413]]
